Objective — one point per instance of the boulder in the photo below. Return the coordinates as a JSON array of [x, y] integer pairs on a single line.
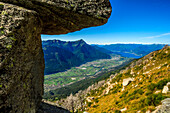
[[85, 112], [156, 92], [165, 89], [164, 108], [124, 109], [21, 57], [127, 81]]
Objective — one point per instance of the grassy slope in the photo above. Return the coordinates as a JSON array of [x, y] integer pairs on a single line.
[[150, 74]]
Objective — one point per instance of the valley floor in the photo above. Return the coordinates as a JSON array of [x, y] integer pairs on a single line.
[[87, 70]]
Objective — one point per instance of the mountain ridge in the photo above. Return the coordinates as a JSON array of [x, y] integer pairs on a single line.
[[136, 49], [74, 53]]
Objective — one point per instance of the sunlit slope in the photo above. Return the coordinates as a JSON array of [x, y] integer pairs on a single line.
[[147, 77]]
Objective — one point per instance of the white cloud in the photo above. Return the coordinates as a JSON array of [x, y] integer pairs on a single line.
[[157, 36]]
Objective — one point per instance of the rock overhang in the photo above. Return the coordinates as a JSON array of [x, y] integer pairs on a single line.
[[64, 16]]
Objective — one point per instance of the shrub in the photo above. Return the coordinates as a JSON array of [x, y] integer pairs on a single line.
[[158, 98], [116, 102], [134, 92], [118, 77], [89, 104], [124, 94], [117, 111], [153, 99], [151, 86], [95, 106], [148, 101], [132, 97], [140, 91], [148, 93], [115, 91], [162, 83], [96, 100]]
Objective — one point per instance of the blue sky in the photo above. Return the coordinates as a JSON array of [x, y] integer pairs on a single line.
[[132, 21]]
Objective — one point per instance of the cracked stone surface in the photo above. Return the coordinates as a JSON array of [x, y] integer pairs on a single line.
[[21, 57]]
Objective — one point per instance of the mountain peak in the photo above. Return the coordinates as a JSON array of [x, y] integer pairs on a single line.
[[70, 53], [81, 40]]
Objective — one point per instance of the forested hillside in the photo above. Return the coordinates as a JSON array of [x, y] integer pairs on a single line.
[[62, 55]]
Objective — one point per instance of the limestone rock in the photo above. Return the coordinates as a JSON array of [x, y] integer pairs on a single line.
[[123, 89], [21, 57], [110, 86], [156, 92], [165, 89], [89, 99], [85, 112], [127, 81], [124, 109], [164, 108]]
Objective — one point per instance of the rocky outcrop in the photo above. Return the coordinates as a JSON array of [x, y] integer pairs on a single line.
[[124, 109], [127, 81], [164, 108], [21, 57], [21, 60], [63, 16], [166, 88]]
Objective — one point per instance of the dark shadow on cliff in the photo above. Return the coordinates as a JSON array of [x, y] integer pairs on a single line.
[[48, 108]]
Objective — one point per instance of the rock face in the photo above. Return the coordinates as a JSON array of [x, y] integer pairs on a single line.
[[164, 108], [165, 89], [21, 57], [63, 16]]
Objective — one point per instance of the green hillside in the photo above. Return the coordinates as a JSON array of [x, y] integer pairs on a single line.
[[62, 55]]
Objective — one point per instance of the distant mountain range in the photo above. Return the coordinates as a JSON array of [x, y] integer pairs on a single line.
[[131, 50], [62, 55]]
